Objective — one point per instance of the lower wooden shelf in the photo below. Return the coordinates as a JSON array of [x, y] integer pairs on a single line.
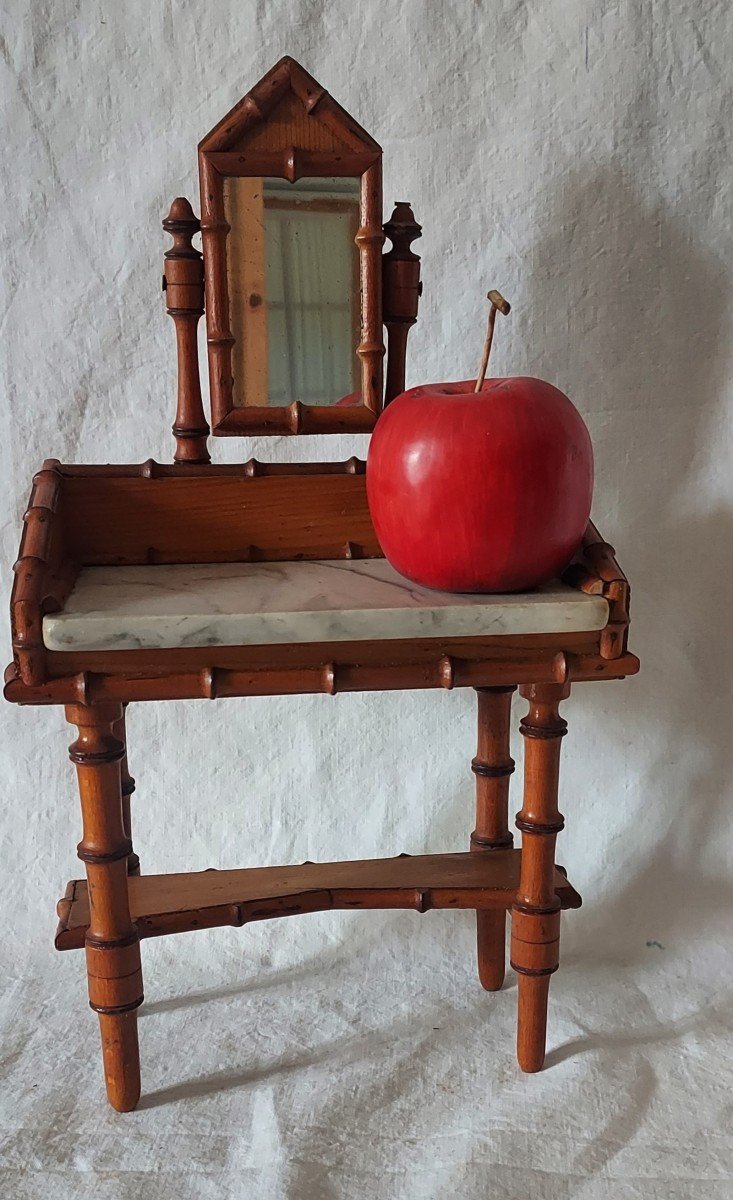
[[161, 904]]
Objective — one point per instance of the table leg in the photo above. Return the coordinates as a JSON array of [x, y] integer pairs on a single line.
[[112, 944], [492, 767], [119, 730], [536, 911]]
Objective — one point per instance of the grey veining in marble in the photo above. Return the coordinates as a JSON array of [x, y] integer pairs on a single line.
[[234, 604]]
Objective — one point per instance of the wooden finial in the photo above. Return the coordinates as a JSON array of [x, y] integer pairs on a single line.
[[183, 283], [401, 290], [498, 304]]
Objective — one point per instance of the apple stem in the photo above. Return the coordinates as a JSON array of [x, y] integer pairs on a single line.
[[498, 304]]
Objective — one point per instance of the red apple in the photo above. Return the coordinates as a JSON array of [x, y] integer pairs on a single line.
[[485, 491]]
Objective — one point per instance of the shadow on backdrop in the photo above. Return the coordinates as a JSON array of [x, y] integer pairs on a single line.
[[642, 310]]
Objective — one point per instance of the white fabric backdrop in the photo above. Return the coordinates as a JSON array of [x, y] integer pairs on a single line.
[[578, 157]]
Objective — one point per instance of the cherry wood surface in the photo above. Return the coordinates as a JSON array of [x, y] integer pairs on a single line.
[[161, 904]]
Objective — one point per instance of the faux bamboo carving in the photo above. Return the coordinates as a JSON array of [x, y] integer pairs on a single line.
[[595, 570], [217, 682], [492, 766], [43, 574], [183, 283], [150, 469], [112, 943], [370, 240], [536, 910], [206, 673]]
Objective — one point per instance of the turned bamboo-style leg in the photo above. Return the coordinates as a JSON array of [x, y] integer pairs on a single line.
[[492, 767], [119, 730], [112, 944], [536, 911]]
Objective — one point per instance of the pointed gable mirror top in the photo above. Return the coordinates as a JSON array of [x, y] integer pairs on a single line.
[[291, 221], [288, 114]]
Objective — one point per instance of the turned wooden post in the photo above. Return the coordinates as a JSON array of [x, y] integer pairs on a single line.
[[127, 783], [492, 767], [183, 283], [535, 940], [112, 944], [401, 289]]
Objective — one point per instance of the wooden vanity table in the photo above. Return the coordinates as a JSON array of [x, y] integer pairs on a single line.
[[150, 582]]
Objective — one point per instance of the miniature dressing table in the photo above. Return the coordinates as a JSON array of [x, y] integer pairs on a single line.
[[150, 582]]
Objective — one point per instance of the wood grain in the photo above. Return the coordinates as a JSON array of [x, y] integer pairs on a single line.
[[111, 941], [244, 206], [212, 517], [162, 904]]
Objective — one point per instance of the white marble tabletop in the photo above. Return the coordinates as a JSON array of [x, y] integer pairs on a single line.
[[236, 604]]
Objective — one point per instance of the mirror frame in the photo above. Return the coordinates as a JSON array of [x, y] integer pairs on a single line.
[[293, 150]]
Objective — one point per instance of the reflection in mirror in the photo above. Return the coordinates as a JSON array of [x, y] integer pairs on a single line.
[[293, 273]]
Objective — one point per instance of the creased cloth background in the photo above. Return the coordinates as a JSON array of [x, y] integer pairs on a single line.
[[578, 157]]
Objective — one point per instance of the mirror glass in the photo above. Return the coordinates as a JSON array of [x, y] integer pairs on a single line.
[[293, 274]]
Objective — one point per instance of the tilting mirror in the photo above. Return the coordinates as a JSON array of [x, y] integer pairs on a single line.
[[291, 218]]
